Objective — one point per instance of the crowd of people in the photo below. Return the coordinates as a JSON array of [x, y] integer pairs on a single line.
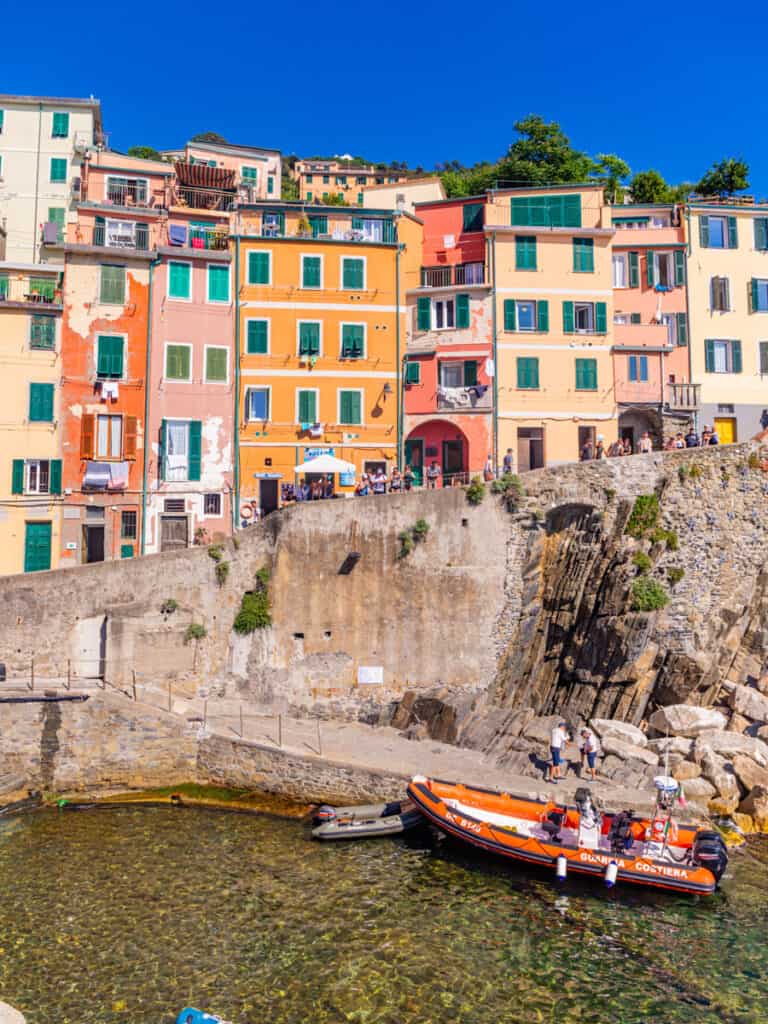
[[623, 446]]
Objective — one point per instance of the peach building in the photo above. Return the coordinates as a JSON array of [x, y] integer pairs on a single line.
[[341, 179], [253, 171]]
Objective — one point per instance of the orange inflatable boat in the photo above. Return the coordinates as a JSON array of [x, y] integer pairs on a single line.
[[618, 847]]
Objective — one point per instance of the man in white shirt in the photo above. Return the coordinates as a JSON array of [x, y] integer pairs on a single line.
[[557, 741], [589, 751]]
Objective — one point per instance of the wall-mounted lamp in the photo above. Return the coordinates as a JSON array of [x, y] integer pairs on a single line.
[[387, 390]]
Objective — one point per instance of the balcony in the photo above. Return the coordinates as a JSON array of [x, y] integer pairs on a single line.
[[683, 397], [121, 235], [641, 335], [459, 274], [473, 398], [129, 193], [220, 200], [30, 291]]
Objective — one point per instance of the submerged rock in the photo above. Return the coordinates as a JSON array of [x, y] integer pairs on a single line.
[[686, 720]]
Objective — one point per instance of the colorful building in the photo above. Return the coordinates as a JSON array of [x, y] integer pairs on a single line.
[[728, 314], [30, 374], [321, 326], [340, 179], [403, 196], [252, 171], [43, 143], [550, 268], [448, 375], [650, 322]]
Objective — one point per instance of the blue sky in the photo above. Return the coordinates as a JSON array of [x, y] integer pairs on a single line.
[[661, 86]]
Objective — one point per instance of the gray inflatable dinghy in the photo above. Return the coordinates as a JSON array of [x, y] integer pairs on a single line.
[[369, 821]]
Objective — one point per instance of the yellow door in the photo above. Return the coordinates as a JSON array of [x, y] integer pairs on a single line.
[[726, 430]]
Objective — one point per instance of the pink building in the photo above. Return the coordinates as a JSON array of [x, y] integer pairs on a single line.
[[253, 171], [651, 336]]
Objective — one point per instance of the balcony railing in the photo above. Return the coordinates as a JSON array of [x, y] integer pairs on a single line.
[[203, 198], [436, 277], [121, 235], [460, 274], [30, 290], [134, 193], [683, 397]]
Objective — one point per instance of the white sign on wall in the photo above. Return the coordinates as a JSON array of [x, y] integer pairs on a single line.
[[370, 675]]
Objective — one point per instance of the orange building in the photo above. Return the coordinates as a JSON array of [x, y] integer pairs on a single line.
[[345, 179]]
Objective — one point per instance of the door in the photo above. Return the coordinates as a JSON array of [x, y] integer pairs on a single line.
[[174, 533], [268, 499], [453, 461], [94, 543], [530, 448], [414, 457], [586, 434], [37, 547], [726, 429]]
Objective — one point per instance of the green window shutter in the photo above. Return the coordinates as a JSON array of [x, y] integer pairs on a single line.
[[568, 318], [2, 118], [424, 314], [635, 318], [163, 448], [650, 276], [257, 337], [586, 374], [126, 550], [309, 339], [682, 329], [527, 373], [60, 126], [761, 233], [17, 477], [270, 184], [525, 252], [41, 403], [195, 449], [413, 372], [42, 332], [112, 285], [572, 211], [472, 217], [679, 267], [218, 284], [510, 315], [542, 315], [319, 225], [709, 356], [704, 232], [601, 318], [177, 362], [350, 410], [353, 275], [736, 357], [58, 169], [764, 357], [583, 255], [470, 372], [352, 341], [462, 311], [307, 407], [57, 216], [109, 359], [179, 280], [258, 268], [310, 272], [634, 269], [753, 297], [54, 482], [733, 233], [37, 547], [216, 365]]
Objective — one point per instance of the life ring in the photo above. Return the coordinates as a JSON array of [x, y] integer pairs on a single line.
[[246, 512]]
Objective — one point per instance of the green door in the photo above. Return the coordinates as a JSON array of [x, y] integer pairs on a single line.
[[414, 457], [37, 547]]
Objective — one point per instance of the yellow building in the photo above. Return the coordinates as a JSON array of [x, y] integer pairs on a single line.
[[321, 334], [549, 253], [346, 180], [30, 372], [728, 311]]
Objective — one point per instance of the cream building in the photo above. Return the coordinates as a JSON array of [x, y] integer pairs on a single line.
[[43, 142], [403, 196], [728, 310]]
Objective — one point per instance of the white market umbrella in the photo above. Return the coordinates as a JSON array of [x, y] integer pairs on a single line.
[[325, 464]]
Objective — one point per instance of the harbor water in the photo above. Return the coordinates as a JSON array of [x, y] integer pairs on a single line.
[[127, 915]]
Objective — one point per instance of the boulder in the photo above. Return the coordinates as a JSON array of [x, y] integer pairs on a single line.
[[722, 806], [729, 744], [540, 728], [749, 773], [747, 701], [686, 720], [608, 728], [686, 770], [738, 723], [672, 745], [762, 733], [699, 790], [743, 822], [717, 771], [762, 683], [628, 751], [755, 804]]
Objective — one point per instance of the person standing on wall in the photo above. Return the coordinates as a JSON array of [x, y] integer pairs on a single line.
[[433, 474]]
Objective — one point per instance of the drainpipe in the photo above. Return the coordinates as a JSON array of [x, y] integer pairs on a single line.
[[35, 240], [236, 425], [398, 382], [688, 310], [147, 388], [495, 418]]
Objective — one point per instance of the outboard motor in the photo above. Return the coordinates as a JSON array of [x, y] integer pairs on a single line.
[[709, 851], [620, 833], [553, 824], [323, 815], [590, 819]]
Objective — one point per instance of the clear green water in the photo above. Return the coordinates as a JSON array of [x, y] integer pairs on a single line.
[[126, 916]]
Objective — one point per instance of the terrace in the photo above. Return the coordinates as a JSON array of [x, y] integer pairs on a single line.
[[459, 274], [367, 230], [200, 187], [28, 290]]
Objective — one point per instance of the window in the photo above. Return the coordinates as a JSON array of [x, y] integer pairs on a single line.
[[352, 341], [212, 505], [311, 271], [444, 314], [216, 362], [526, 315], [352, 274], [472, 217], [660, 270], [457, 374], [759, 295], [218, 283], [546, 211], [273, 223], [270, 185], [127, 191], [584, 313], [257, 404], [178, 362], [37, 476], [351, 408], [57, 216], [109, 357], [326, 181], [128, 525], [583, 255], [181, 445], [620, 274], [761, 223], [250, 175], [179, 281], [259, 268], [308, 179], [469, 273], [423, 314], [309, 197], [585, 318], [763, 356], [722, 356], [109, 437], [412, 371], [638, 368], [257, 337], [586, 375], [58, 169], [341, 179], [361, 180], [318, 222], [719, 294], [42, 332], [527, 374], [525, 252], [359, 198], [60, 127], [681, 323], [41, 403], [718, 233], [112, 289], [309, 338], [306, 406]]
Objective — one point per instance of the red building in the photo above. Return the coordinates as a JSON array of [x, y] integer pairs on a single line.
[[448, 372]]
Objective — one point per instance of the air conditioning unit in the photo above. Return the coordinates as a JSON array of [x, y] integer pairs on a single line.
[[76, 188]]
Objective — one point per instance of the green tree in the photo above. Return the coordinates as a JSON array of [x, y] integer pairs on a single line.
[[334, 200], [679, 193], [725, 178], [209, 137], [542, 155], [289, 188], [145, 153], [649, 187], [613, 172]]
